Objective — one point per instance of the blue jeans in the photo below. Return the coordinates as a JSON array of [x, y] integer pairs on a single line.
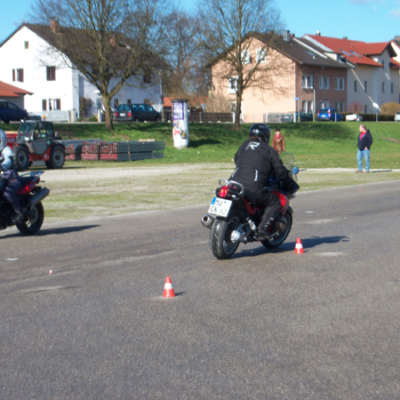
[[360, 155]]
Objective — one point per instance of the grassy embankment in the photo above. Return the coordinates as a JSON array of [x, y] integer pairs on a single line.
[[315, 145], [189, 176]]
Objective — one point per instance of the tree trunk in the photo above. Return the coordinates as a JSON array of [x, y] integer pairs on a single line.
[[238, 109], [108, 113]]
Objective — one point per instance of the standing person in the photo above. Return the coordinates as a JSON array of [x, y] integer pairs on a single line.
[[278, 141], [10, 174], [364, 144], [255, 162]]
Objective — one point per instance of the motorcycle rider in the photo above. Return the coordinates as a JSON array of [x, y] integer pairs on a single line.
[[255, 162], [10, 174]]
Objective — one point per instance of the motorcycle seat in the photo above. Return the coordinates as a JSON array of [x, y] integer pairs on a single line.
[[250, 197]]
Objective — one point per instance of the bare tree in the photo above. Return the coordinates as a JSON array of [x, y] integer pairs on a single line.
[[229, 30], [185, 75], [108, 41]]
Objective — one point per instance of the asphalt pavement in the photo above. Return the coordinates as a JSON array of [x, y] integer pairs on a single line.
[[82, 314]]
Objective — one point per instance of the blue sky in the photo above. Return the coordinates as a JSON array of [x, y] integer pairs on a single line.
[[366, 20]]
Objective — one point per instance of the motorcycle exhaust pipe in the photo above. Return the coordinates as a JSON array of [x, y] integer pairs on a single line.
[[207, 221], [39, 196]]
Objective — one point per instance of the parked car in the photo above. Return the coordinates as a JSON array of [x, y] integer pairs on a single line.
[[291, 116], [136, 113], [329, 114], [353, 117], [11, 112], [397, 116]]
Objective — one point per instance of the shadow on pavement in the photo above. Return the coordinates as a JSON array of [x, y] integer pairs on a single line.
[[55, 231], [290, 246]]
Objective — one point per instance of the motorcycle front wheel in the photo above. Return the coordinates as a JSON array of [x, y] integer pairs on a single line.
[[282, 235], [220, 237], [33, 223]]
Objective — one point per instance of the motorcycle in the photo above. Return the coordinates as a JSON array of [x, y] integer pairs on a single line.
[[234, 215], [30, 196]]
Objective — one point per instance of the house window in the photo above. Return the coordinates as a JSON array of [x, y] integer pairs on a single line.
[[57, 104], [261, 56], [51, 73], [339, 106], [366, 109], [383, 87], [26, 45], [44, 105], [233, 85], [324, 104], [307, 106], [324, 82], [129, 101], [13, 75], [339, 83], [115, 103], [50, 104], [355, 86], [392, 88], [146, 78], [246, 56], [20, 75], [307, 82], [365, 86]]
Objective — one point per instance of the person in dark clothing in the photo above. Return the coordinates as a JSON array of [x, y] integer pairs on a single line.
[[10, 174], [255, 162], [364, 144]]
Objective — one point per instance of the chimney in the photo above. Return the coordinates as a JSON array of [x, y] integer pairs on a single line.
[[54, 26], [318, 33], [345, 37], [286, 36]]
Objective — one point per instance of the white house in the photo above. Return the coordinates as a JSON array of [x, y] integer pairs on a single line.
[[27, 61], [374, 77]]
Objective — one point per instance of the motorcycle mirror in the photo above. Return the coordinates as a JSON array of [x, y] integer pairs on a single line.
[[295, 170]]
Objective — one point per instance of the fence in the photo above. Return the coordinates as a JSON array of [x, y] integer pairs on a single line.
[[200, 116]]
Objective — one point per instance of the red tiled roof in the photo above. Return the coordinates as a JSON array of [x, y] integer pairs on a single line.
[[395, 64], [7, 90], [167, 102], [355, 51]]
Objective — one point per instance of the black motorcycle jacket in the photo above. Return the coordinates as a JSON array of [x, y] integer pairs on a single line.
[[255, 162]]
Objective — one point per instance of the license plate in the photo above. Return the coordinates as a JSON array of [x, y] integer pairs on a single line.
[[220, 207], [122, 114]]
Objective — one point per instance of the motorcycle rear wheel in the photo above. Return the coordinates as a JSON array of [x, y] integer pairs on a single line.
[[32, 225], [278, 240], [220, 237]]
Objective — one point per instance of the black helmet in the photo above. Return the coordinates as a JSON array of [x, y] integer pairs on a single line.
[[261, 131]]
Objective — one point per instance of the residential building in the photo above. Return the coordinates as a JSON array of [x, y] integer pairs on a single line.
[[373, 78], [297, 76], [29, 60]]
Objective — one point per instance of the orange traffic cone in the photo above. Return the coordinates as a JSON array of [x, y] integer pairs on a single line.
[[168, 289], [299, 247]]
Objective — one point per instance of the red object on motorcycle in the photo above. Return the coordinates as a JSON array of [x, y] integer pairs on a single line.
[[168, 289], [223, 191], [299, 247]]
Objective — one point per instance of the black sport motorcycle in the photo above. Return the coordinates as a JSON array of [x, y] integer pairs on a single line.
[[234, 214], [30, 196]]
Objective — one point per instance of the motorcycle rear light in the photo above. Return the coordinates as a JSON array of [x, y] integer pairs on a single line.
[[223, 191]]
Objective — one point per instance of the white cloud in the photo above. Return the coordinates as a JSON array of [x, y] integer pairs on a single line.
[[395, 13]]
